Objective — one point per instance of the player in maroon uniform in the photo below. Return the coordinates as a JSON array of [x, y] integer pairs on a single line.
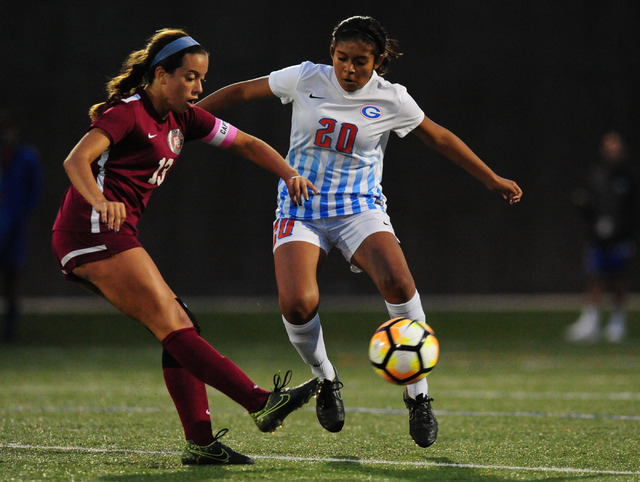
[[131, 146]]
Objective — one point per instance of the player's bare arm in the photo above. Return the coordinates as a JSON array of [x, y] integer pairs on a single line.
[[263, 155], [236, 94], [78, 167], [454, 149]]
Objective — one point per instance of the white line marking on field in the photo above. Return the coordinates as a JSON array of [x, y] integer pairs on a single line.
[[374, 411], [469, 413], [337, 460], [88, 449], [74, 409], [449, 464], [522, 395]]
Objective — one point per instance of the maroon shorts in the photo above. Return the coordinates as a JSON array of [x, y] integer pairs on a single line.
[[73, 249]]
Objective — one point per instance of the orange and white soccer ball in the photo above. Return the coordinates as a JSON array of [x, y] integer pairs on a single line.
[[403, 351]]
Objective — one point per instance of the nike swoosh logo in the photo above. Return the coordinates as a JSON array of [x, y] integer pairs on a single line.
[[151, 136], [311, 96], [284, 398], [223, 456]]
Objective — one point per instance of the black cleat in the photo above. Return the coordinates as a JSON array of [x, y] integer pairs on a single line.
[[215, 453], [283, 401], [423, 426], [329, 405]]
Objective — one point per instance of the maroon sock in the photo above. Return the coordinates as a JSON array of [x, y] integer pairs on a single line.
[[210, 367], [190, 398]]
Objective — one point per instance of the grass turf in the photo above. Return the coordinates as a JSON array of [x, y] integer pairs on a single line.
[[82, 397]]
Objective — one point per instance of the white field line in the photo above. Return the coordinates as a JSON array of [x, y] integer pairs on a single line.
[[453, 465], [523, 395], [471, 413], [322, 460], [260, 304], [373, 411], [78, 409], [44, 389]]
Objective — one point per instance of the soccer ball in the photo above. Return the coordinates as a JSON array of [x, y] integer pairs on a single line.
[[403, 351]]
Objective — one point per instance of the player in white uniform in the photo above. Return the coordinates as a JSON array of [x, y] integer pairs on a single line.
[[342, 117], [338, 138]]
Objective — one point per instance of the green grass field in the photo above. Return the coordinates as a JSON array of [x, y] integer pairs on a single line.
[[82, 398]]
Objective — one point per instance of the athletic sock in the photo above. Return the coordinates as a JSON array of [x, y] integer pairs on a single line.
[[190, 398], [412, 309], [591, 315], [421, 387], [618, 316], [309, 342], [202, 360]]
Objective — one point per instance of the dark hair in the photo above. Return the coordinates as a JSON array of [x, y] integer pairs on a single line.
[[368, 30], [136, 71]]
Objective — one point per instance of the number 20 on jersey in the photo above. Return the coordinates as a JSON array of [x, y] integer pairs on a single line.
[[342, 140]]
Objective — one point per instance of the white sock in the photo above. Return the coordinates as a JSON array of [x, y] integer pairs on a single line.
[[412, 309], [590, 316], [591, 311], [308, 341], [618, 316], [421, 387]]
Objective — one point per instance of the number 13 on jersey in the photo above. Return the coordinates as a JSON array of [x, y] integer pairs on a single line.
[[163, 166]]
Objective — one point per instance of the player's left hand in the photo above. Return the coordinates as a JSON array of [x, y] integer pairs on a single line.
[[298, 187]]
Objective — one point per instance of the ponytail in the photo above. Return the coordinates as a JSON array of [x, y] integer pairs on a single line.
[[132, 75]]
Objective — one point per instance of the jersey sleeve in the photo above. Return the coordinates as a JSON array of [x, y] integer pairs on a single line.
[[198, 123], [117, 121], [409, 116], [283, 82]]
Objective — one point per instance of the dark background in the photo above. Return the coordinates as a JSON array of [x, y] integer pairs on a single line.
[[529, 86]]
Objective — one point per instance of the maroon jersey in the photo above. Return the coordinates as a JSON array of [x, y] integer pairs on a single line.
[[144, 149]]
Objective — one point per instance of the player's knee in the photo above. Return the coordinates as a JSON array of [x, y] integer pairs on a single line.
[[299, 309], [162, 316], [397, 288]]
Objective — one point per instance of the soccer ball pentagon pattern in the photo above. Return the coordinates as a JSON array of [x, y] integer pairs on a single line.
[[403, 351]]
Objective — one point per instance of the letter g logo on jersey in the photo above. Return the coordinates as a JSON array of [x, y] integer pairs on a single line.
[[371, 111]]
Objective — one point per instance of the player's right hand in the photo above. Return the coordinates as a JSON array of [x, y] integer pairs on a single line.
[[112, 213], [298, 187]]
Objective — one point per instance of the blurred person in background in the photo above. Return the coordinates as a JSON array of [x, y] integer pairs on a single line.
[[20, 187], [609, 205]]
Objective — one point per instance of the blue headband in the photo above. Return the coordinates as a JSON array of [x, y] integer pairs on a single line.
[[171, 48]]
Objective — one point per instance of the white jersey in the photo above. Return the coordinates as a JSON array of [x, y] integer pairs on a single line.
[[338, 138]]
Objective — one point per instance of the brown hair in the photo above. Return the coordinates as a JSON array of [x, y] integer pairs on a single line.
[[136, 69], [368, 30]]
